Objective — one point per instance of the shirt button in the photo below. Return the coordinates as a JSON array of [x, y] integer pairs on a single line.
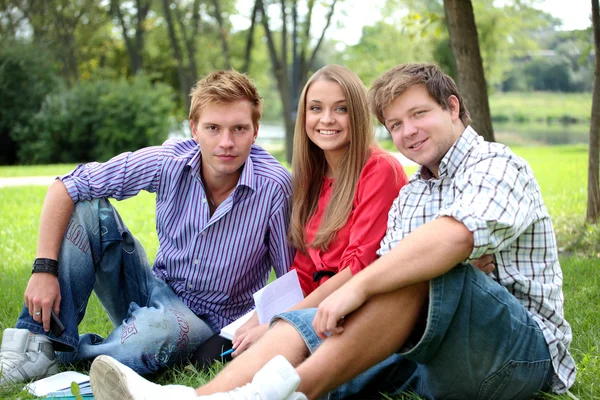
[[203, 233], [190, 286], [196, 262], [204, 199]]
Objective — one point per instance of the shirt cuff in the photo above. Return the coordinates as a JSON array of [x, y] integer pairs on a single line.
[[477, 226]]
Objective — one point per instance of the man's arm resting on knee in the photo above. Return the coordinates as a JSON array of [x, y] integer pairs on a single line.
[[428, 252], [43, 291], [56, 212]]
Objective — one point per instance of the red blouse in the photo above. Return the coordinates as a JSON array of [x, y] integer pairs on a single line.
[[354, 245]]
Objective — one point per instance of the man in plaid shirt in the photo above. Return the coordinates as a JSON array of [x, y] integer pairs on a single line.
[[421, 317]]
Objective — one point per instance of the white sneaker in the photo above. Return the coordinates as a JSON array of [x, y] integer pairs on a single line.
[[111, 380], [25, 356], [277, 380]]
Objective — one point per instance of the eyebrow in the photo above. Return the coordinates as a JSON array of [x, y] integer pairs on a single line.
[[215, 124], [335, 102]]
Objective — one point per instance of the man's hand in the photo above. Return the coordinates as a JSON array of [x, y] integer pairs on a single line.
[[331, 312], [41, 295], [485, 263], [247, 338]]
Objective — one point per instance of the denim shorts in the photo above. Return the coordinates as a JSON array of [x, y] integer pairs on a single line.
[[479, 343]]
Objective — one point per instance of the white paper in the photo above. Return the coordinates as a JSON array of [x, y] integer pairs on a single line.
[[228, 331], [278, 296], [57, 383]]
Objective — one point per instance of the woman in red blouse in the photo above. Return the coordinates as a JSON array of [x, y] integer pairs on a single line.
[[343, 188]]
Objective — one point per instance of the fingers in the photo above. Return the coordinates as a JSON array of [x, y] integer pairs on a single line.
[[40, 311], [326, 324], [241, 347], [238, 339]]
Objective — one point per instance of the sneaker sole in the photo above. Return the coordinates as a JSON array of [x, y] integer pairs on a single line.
[[108, 383]]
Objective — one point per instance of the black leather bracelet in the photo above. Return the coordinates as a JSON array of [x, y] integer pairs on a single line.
[[45, 265]]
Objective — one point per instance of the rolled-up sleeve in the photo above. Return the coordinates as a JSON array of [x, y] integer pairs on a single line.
[[494, 201], [121, 177]]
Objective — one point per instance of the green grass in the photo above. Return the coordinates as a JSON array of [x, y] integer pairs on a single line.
[[35, 170], [541, 106], [561, 172]]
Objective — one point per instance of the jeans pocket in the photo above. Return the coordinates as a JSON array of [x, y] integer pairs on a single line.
[[515, 380]]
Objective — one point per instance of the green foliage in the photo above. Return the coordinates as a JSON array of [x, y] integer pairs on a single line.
[[96, 120], [27, 76]]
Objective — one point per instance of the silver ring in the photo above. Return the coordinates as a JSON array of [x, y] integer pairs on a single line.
[[37, 313]]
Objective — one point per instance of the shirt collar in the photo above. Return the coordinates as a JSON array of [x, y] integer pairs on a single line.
[[246, 178], [455, 156]]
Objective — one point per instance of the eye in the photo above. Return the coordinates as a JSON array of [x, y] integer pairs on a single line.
[[394, 126], [315, 108], [342, 109], [211, 127], [419, 113]]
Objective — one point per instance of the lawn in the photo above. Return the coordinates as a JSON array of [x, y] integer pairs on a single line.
[[561, 172]]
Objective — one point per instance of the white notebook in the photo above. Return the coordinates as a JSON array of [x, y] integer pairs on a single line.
[[278, 296]]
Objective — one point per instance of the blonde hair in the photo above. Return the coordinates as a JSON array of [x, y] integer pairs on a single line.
[[309, 164], [397, 80], [224, 86]]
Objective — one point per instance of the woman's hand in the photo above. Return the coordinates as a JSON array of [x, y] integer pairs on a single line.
[[331, 312], [246, 339]]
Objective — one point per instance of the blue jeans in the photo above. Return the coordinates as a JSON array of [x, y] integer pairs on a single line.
[[153, 327], [479, 343]]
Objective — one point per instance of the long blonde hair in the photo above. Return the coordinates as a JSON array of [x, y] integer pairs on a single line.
[[309, 164]]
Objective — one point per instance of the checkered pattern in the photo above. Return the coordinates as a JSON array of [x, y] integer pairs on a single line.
[[494, 194]]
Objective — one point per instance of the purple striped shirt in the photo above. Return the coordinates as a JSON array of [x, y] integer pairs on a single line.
[[213, 263]]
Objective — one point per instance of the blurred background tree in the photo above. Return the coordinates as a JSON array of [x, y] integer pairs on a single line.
[[55, 51]]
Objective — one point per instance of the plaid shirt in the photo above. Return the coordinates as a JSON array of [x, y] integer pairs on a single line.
[[494, 194]]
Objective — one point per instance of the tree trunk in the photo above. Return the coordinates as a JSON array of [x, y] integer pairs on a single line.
[[250, 39], [469, 66], [181, 75], [593, 203], [222, 34], [190, 43]]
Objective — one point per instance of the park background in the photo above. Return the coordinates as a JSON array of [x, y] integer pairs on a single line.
[[84, 80]]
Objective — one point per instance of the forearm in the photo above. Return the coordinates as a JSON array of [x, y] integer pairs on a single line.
[[428, 252], [55, 216], [330, 286]]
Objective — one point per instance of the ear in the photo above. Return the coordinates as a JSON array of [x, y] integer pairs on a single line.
[[454, 107], [193, 130], [255, 133]]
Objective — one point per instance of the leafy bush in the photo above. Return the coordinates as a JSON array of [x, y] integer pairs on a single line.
[[96, 120], [27, 75]]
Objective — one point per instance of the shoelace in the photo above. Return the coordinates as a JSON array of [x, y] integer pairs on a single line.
[[9, 362]]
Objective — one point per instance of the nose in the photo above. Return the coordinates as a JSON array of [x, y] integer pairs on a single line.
[[408, 129], [226, 139], [327, 117]]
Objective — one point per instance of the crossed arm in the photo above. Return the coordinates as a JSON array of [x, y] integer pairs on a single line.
[[428, 252]]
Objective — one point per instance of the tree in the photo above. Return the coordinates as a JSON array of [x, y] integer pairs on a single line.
[[27, 76], [135, 21], [593, 203], [291, 68], [469, 65]]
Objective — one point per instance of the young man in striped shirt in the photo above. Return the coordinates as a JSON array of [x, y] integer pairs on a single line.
[[455, 332], [222, 212]]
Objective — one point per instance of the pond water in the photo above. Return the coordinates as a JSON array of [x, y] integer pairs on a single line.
[[272, 134]]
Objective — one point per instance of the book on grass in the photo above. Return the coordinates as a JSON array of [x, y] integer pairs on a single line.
[[278, 296], [59, 386]]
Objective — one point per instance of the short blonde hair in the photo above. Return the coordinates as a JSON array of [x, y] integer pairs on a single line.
[[397, 80], [224, 86]]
